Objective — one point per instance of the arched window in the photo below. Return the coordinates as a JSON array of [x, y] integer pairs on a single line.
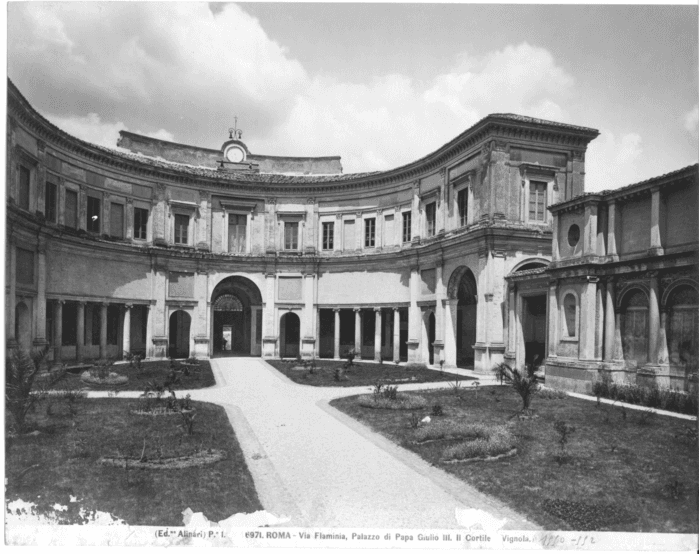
[[683, 325], [634, 327], [228, 303], [570, 330]]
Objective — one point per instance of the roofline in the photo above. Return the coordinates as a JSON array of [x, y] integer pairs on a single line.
[[615, 194], [477, 133]]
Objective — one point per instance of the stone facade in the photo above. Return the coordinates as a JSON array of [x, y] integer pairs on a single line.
[[622, 289], [112, 251]]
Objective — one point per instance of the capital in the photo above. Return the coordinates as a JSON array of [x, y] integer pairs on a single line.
[[357, 310], [336, 310]]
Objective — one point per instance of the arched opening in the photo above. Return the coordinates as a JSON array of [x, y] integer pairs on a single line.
[[634, 327], [236, 305], [683, 327], [290, 335], [23, 326], [179, 334], [430, 336], [462, 286]]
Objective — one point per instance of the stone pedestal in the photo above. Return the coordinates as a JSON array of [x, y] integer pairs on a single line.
[[269, 347], [413, 351], [160, 348], [308, 345], [201, 347]]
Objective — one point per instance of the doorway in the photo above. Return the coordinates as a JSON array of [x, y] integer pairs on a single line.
[[179, 334], [290, 335], [534, 328]]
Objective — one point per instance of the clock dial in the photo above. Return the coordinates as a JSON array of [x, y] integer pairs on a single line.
[[235, 154]]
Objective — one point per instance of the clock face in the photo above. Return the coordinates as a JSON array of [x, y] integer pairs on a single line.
[[235, 154]]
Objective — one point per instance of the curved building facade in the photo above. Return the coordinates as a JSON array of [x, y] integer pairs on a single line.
[[175, 250]]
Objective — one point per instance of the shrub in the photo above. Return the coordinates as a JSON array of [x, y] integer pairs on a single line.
[[21, 368], [452, 430], [402, 402], [523, 381], [437, 410], [552, 394], [414, 420], [498, 441], [652, 397], [415, 366], [350, 355], [564, 431]]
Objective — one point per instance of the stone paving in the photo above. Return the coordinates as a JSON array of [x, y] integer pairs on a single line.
[[320, 468]]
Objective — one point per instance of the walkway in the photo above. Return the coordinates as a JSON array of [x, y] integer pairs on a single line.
[[321, 468]]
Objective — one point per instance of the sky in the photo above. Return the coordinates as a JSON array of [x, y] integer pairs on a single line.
[[381, 85]]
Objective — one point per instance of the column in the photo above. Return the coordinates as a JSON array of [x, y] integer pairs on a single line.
[[439, 315], [653, 318], [554, 244], [80, 333], [618, 349], [609, 322], [103, 331], [611, 230], [253, 329], [452, 306], [336, 328], [656, 248], [358, 333], [40, 336], [414, 320], [149, 331], [396, 335], [520, 346], [377, 334], [590, 231], [511, 319], [588, 304], [126, 333], [599, 327], [663, 354], [58, 332], [552, 318], [269, 334]]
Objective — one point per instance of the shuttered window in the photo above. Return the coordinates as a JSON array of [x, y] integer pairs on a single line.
[[50, 202], [370, 232], [431, 216], [537, 201], [407, 226], [237, 233], [71, 209], [328, 235], [116, 220], [462, 201], [24, 184], [181, 229], [140, 223], [291, 235], [93, 214]]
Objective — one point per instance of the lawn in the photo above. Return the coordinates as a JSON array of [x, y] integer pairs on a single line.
[[138, 379], [359, 374], [624, 471], [63, 458]]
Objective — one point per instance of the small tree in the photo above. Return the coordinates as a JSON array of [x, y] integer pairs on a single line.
[[21, 368], [522, 381]]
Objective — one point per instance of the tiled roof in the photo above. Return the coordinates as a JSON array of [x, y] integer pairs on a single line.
[[646, 182]]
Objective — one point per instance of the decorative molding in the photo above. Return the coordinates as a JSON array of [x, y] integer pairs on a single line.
[[578, 155]]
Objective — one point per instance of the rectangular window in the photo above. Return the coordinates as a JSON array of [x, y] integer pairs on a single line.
[[328, 235], [71, 211], [24, 269], [370, 232], [431, 218], [24, 184], [50, 210], [291, 235], [93, 214], [407, 226], [237, 233], [537, 201], [462, 201], [140, 223], [116, 220], [181, 229]]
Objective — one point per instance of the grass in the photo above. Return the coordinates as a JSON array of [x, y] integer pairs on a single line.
[[67, 450], [360, 374], [138, 380], [642, 470], [401, 402]]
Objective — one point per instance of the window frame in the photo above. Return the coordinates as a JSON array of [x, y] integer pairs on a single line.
[[175, 216], [76, 192], [327, 239], [88, 217], [47, 187], [370, 232], [463, 192], [407, 217], [227, 227], [29, 170], [147, 224], [431, 226], [290, 224]]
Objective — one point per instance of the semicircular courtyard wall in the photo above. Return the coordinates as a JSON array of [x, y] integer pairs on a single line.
[[104, 245]]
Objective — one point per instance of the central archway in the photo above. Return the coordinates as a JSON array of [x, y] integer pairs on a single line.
[[236, 313]]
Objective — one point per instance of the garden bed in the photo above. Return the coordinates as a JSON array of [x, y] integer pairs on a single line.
[[641, 467], [157, 371], [63, 463], [359, 374]]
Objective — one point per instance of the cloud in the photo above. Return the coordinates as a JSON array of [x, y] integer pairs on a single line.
[[181, 72], [612, 162], [691, 120]]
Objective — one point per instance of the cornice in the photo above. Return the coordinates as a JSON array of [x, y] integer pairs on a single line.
[[496, 125]]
